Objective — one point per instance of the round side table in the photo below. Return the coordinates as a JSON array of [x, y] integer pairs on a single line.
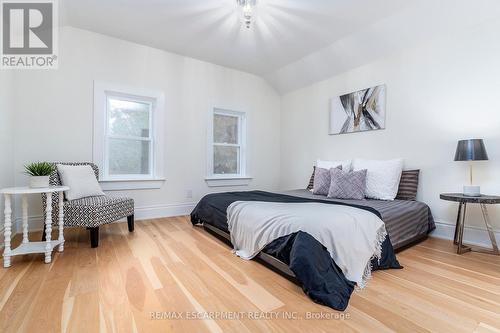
[[463, 200], [27, 246]]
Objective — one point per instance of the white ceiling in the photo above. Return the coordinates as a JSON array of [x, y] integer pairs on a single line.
[[287, 37]]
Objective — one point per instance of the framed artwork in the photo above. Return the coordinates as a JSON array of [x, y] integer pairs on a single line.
[[359, 111]]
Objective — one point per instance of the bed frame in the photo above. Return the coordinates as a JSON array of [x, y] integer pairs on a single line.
[[264, 258], [279, 266]]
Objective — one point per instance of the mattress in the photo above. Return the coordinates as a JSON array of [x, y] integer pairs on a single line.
[[299, 255], [405, 220]]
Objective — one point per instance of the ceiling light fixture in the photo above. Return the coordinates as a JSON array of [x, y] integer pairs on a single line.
[[248, 6]]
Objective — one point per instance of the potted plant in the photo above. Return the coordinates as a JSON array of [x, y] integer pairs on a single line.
[[39, 173]]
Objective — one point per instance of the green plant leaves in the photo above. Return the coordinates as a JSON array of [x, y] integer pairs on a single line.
[[39, 169]]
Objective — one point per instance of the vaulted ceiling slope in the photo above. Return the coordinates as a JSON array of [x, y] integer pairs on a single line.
[[292, 43]]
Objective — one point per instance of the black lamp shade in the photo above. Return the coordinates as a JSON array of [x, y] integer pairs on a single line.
[[471, 150]]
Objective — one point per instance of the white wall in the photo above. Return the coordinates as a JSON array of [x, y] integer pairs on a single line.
[[54, 113], [437, 93], [6, 135]]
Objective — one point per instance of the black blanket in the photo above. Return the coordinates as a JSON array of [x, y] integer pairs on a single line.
[[308, 259]]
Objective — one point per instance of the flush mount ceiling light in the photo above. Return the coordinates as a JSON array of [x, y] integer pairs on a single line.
[[247, 7]]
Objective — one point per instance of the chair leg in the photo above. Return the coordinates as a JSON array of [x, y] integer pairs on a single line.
[[130, 221], [94, 237]]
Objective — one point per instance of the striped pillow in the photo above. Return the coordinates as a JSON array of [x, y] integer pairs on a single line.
[[311, 180], [408, 185]]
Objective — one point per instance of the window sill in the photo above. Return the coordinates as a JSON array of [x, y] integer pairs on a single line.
[[228, 181], [128, 184]]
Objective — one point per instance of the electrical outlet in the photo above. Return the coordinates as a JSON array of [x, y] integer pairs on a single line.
[[189, 194]]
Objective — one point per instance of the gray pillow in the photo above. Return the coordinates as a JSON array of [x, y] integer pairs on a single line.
[[310, 186], [408, 185], [347, 185], [322, 180]]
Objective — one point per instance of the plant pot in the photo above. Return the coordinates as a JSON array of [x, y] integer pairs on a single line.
[[39, 181]]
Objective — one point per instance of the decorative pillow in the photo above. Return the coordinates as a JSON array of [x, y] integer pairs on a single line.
[[382, 177], [408, 185], [347, 185], [322, 181], [81, 181], [310, 186], [346, 164]]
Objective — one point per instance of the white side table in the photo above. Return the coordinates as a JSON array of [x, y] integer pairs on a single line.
[[27, 246]]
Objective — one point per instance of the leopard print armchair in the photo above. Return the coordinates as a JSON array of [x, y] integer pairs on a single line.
[[90, 212]]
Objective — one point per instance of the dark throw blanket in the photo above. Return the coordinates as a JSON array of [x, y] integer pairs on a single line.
[[308, 259]]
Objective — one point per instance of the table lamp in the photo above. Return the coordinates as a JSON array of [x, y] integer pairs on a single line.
[[471, 150]]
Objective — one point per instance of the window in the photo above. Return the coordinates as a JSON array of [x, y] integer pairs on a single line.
[[127, 136], [227, 150]]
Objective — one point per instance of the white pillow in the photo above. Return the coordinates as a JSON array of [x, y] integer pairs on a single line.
[[382, 177], [81, 181], [346, 164]]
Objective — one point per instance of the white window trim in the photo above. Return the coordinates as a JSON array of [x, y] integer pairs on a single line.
[[241, 179], [125, 182], [118, 185], [221, 182]]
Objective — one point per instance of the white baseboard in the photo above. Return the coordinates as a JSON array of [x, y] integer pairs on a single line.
[[141, 213], [472, 235], [154, 212]]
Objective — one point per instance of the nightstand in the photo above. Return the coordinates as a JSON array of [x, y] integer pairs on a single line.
[[463, 200]]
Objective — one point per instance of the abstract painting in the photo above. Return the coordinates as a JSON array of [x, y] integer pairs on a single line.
[[359, 111]]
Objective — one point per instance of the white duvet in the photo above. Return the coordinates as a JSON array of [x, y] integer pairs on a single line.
[[351, 235]]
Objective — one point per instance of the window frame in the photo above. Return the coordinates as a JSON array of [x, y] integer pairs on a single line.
[[242, 177], [102, 93], [107, 138]]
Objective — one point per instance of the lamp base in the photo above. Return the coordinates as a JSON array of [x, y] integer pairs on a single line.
[[472, 190]]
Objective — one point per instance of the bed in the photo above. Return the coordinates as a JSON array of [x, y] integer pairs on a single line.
[[303, 259]]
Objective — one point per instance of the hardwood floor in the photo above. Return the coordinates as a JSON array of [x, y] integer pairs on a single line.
[[134, 281]]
